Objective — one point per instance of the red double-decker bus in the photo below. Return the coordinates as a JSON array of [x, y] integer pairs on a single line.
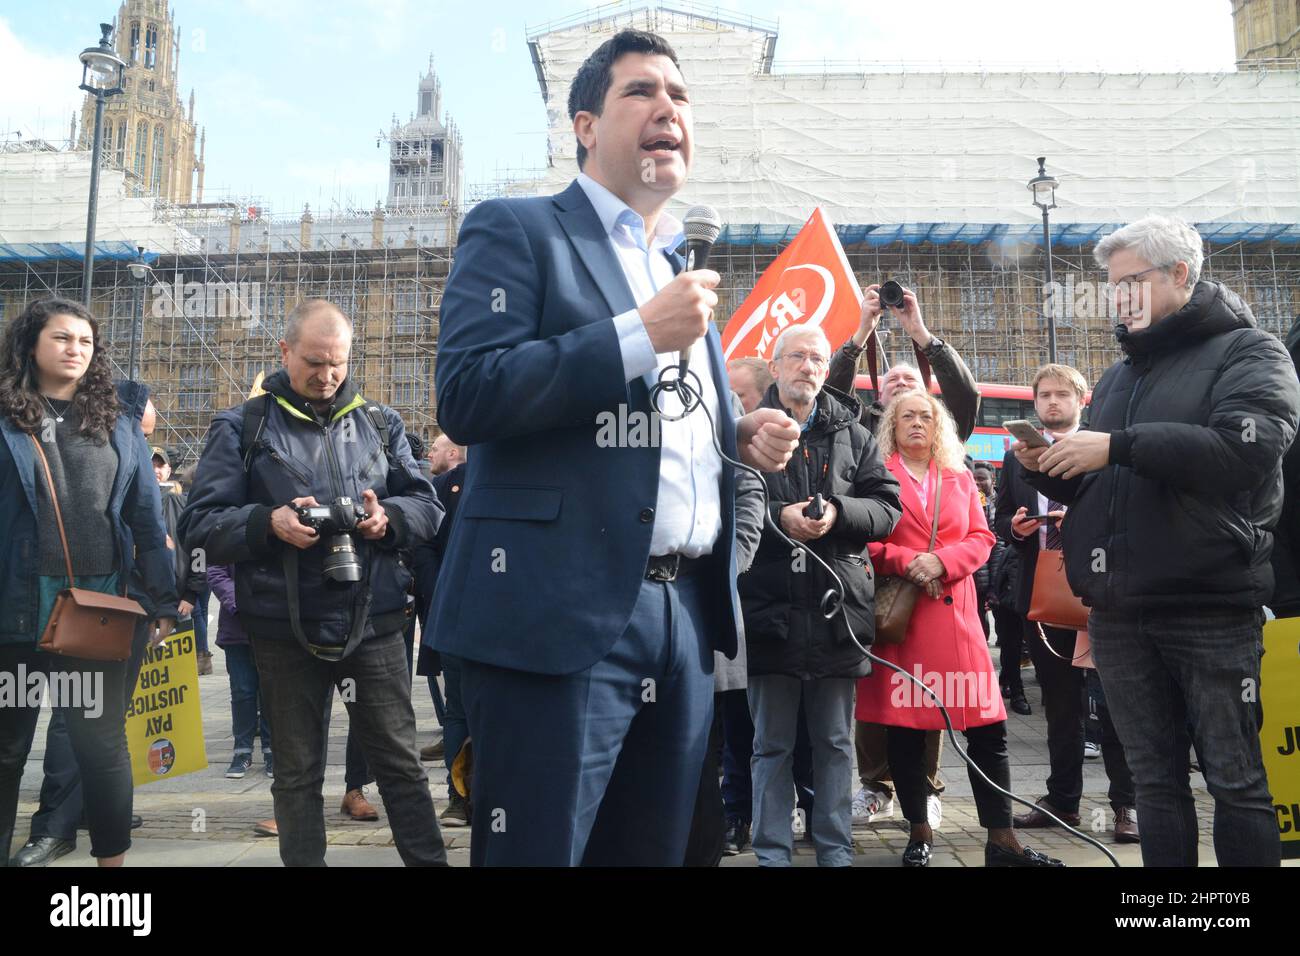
[[998, 404]]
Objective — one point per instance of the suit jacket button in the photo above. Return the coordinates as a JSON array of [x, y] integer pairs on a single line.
[[947, 599], [647, 515]]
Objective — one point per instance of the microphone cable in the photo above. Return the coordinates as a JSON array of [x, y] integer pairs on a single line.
[[832, 602]]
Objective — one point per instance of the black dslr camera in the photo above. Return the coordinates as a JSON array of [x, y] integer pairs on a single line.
[[891, 294], [336, 523]]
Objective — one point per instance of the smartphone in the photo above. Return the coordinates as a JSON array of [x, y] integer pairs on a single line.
[[1040, 518], [1026, 432]]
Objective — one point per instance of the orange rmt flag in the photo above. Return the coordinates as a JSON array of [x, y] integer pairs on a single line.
[[810, 283]]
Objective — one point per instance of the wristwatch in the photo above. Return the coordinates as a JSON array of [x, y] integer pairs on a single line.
[[935, 346]]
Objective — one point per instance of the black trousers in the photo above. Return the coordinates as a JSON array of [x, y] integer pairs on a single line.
[[1009, 626], [60, 812], [97, 734], [708, 824], [1064, 702], [987, 747]]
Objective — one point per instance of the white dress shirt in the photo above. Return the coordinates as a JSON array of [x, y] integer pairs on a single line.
[[688, 513]]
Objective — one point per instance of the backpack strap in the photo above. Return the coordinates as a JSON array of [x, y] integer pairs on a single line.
[[376, 416], [255, 412]]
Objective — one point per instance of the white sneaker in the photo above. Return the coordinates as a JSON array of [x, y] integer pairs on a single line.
[[871, 805], [1091, 751], [797, 825], [933, 811]]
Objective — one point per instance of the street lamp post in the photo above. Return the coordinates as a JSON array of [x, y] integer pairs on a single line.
[[1043, 187], [140, 272], [102, 73]]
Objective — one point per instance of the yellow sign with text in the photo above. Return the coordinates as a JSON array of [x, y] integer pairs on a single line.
[[164, 718], [1279, 738]]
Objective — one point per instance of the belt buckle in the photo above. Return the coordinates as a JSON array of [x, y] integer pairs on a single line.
[[664, 568]]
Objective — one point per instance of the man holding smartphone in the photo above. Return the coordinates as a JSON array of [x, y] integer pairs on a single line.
[[1031, 522]]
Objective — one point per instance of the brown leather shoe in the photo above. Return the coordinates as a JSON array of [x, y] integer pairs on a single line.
[[435, 751], [1036, 818], [266, 828], [357, 806], [1126, 825]]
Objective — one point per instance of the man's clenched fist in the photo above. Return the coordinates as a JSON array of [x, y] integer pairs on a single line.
[[678, 316], [767, 437]]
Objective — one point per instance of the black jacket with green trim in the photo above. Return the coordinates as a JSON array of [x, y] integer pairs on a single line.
[[301, 454]]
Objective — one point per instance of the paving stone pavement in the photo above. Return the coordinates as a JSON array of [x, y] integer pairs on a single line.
[[203, 819]]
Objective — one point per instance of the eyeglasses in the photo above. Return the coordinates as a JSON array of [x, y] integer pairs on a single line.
[[798, 358], [1131, 279]]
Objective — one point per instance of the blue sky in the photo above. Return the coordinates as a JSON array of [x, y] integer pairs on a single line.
[[292, 92]]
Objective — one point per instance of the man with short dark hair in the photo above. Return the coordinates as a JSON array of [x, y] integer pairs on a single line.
[[1174, 490], [592, 568]]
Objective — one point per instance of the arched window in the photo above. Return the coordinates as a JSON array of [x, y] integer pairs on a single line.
[[155, 174], [135, 42], [121, 143], [151, 47], [141, 147]]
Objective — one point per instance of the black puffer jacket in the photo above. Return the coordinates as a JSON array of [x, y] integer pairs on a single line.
[[781, 594], [1199, 413], [302, 454], [1286, 542]]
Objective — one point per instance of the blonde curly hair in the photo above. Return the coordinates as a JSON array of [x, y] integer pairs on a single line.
[[946, 448]]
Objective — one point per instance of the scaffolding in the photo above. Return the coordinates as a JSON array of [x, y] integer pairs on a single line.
[[213, 321]]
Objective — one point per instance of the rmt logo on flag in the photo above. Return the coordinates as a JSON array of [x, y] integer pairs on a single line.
[[810, 283]]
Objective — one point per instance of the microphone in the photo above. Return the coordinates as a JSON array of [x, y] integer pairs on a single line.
[[703, 226]]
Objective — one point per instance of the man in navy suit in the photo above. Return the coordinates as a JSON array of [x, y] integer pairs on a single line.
[[592, 570]]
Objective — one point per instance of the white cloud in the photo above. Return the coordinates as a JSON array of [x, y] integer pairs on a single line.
[[38, 89]]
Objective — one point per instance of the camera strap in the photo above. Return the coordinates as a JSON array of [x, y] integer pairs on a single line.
[[360, 614], [874, 349]]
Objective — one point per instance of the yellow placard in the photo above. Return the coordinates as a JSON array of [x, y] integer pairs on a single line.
[[1280, 736], [164, 717]]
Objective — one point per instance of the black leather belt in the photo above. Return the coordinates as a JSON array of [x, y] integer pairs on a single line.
[[670, 567]]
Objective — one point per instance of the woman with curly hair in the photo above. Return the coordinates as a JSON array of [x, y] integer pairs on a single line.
[[945, 646], [56, 390]]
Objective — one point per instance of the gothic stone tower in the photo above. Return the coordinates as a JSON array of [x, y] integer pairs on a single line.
[[147, 130]]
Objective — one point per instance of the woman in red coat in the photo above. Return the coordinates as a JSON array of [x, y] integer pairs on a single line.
[[945, 646]]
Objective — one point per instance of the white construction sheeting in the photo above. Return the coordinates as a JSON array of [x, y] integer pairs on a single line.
[[932, 147], [44, 197]]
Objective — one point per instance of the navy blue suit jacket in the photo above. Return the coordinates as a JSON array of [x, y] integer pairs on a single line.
[[550, 549]]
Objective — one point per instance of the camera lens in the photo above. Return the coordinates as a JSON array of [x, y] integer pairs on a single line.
[[341, 566], [891, 294]]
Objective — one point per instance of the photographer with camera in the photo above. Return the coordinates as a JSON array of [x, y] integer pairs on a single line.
[[310, 492], [960, 393], [961, 396]]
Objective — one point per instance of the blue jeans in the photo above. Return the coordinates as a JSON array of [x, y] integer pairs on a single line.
[[828, 705], [298, 690], [1162, 673], [200, 614], [247, 717]]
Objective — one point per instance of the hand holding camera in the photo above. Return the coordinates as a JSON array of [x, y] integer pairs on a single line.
[[375, 526], [287, 526], [902, 301]]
